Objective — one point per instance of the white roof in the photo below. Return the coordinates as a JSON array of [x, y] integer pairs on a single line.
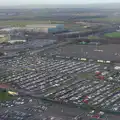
[[42, 25], [5, 29], [74, 32], [13, 41], [11, 28], [2, 35]]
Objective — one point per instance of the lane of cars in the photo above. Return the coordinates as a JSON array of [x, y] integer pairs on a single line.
[[22, 108], [57, 79], [38, 74]]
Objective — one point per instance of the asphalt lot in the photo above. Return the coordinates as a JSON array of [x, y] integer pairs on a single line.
[[89, 51]]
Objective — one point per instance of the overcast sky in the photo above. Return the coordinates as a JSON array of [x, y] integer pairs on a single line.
[[27, 2]]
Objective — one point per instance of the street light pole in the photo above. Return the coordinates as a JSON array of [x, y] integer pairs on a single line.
[[96, 46]]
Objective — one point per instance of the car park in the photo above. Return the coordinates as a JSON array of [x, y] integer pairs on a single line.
[[60, 79]]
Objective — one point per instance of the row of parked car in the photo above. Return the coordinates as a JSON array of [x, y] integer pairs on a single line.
[[45, 72], [22, 108], [41, 75], [112, 102], [56, 79]]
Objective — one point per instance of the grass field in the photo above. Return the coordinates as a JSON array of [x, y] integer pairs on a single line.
[[113, 35], [22, 23], [5, 96], [86, 75], [3, 40], [93, 37], [117, 20], [25, 22]]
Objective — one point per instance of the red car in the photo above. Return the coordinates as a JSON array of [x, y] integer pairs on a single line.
[[97, 73], [85, 101], [95, 116], [100, 77]]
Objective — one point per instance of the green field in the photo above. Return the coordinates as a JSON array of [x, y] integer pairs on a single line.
[[93, 37], [113, 35], [4, 96], [116, 20], [22, 23], [5, 39], [85, 75]]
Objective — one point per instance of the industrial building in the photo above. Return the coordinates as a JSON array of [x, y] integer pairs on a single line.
[[46, 28], [3, 38], [15, 39], [11, 38]]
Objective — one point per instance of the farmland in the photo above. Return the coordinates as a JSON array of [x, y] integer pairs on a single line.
[[106, 19], [93, 37], [4, 96], [22, 23]]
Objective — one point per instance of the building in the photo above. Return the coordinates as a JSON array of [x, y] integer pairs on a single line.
[[44, 28], [3, 38], [11, 29], [16, 39], [7, 38], [47, 28]]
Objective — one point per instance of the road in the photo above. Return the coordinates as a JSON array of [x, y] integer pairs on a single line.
[[66, 112]]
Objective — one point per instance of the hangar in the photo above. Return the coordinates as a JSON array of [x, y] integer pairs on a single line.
[[46, 28]]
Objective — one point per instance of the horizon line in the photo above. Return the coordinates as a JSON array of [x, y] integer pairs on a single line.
[[67, 4]]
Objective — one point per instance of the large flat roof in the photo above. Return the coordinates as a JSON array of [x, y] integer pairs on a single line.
[[43, 25], [69, 33]]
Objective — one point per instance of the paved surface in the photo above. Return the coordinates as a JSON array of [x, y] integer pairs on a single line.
[[60, 111], [89, 51], [66, 112]]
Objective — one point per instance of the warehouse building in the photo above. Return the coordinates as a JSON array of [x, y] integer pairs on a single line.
[[7, 38], [46, 28], [3, 38], [16, 39]]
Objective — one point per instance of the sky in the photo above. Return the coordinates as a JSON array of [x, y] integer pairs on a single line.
[[27, 2]]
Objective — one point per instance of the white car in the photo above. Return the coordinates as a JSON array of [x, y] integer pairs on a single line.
[[110, 78]]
